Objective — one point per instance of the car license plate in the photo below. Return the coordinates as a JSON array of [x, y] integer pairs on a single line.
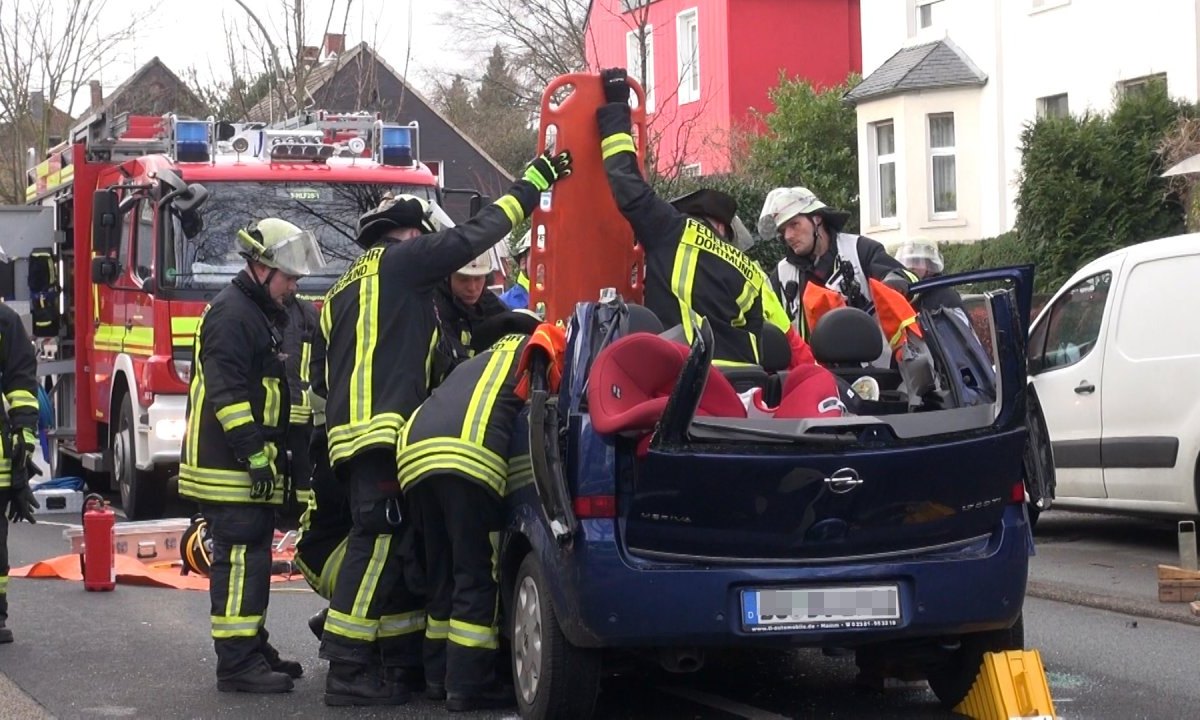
[[831, 608]]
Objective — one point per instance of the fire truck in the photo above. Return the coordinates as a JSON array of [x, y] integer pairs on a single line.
[[145, 211]]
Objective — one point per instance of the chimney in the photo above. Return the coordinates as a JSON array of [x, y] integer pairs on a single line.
[[335, 44], [97, 93], [310, 55]]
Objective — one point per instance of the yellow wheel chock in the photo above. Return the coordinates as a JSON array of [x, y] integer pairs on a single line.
[[1010, 685]]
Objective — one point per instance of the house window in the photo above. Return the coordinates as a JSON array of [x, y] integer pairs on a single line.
[[687, 40], [691, 170], [1053, 106], [1139, 85], [637, 42], [942, 165], [925, 12], [883, 136]]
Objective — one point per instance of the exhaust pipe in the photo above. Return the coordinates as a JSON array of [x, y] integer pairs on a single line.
[[681, 660]]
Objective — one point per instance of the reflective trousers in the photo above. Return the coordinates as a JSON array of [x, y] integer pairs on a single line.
[[239, 583], [457, 523], [373, 616]]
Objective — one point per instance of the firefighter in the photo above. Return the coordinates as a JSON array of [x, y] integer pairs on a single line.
[[517, 296], [302, 321], [463, 301], [233, 462], [814, 250], [924, 260], [380, 329], [18, 383], [694, 267], [452, 462]]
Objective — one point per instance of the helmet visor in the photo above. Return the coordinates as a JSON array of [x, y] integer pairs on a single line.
[[742, 237], [438, 217], [298, 255]]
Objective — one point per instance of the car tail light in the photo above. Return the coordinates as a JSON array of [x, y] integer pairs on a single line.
[[595, 506], [1018, 493], [183, 370]]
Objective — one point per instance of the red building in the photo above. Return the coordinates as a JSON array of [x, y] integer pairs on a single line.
[[708, 64]]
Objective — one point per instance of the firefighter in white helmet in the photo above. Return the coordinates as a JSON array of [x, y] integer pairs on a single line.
[[463, 301], [233, 460]]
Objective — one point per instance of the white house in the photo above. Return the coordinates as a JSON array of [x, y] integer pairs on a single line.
[[949, 85]]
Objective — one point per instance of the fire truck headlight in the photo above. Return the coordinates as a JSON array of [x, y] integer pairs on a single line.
[[169, 430]]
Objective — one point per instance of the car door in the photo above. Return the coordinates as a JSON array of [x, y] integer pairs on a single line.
[[1151, 383], [1066, 362]]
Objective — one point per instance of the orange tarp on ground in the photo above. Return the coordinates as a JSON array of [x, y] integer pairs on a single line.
[[130, 571]]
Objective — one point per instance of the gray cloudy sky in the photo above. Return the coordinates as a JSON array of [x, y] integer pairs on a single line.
[[192, 33]]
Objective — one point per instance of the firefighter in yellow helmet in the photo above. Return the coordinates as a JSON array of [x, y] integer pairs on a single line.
[[381, 334], [232, 462]]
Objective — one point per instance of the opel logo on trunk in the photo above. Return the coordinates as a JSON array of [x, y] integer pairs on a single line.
[[843, 481]]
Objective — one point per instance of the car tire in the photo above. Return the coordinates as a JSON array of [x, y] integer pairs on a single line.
[[554, 679], [143, 494], [953, 678]]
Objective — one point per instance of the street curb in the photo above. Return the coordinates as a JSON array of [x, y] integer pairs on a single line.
[[19, 704], [1075, 596]]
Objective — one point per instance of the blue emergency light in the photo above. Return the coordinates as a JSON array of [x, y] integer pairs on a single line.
[[191, 141], [396, 146]]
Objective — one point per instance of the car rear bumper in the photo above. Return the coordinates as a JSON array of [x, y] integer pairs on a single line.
[[608, 598]]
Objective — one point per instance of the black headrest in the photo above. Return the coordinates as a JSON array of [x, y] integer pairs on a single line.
[[642, 319], [776, 354], [846, 335]]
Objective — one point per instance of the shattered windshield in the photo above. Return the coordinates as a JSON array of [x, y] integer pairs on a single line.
[[329, 210]]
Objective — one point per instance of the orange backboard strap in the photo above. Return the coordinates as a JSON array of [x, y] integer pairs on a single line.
[[580, 241]]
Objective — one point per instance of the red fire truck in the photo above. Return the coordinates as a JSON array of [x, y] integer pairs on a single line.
[[145, 212]]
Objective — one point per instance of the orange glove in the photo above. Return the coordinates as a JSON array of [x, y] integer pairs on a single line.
[[550, 340]]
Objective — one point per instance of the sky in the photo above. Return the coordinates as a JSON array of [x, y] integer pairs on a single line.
[[382, 23]]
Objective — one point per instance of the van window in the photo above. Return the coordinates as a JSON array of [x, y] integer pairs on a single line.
[[1073, 325], [1157, 310]]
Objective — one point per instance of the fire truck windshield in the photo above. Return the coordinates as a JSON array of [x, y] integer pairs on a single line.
[[330, 210]]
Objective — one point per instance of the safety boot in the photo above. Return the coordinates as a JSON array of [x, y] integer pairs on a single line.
[[291, 668], [5, 635], [496, 697], [258, 679], [349, 684], [316, 623]]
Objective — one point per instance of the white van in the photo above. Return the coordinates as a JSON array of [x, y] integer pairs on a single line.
[[1115, 358]]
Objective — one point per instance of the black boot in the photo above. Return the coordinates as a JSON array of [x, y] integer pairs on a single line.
[[435, 691], [5, 635], [291, 668], [411, 679], [348, 684], [316, 623], [258, 679], [496, 697]]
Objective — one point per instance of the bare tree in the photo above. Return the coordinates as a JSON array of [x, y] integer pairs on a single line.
[[48, 51], [543, 38]]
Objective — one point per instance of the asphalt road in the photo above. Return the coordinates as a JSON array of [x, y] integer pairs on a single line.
[[142, 652]]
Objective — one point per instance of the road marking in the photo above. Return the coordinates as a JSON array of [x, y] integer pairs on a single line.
[[724, 704]]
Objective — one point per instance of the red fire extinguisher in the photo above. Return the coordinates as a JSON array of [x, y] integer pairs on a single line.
[[98, 561]]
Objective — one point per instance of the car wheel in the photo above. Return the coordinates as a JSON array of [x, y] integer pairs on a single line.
[[141, 496], [952, 678], [554, 679]]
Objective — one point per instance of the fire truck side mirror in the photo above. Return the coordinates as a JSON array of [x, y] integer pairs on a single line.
[[478, 202], [105, 270], [106, 222]]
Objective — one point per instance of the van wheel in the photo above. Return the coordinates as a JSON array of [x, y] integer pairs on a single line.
[[554, 679], [142, 496], [952, 678]]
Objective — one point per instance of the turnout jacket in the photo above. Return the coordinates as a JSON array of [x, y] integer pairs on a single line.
[[380, 328], [302, 325], [324, 527], [465, 426], [238, 403], [690, 270], [18, 382]]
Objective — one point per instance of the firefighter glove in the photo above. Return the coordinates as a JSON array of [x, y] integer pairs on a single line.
[[262, 477], [547, 169], [22, 505], [616, 85]]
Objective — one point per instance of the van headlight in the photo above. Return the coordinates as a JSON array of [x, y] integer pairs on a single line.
[[169, 430]]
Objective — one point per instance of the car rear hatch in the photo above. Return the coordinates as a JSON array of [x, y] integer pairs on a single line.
[[776, 491]]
